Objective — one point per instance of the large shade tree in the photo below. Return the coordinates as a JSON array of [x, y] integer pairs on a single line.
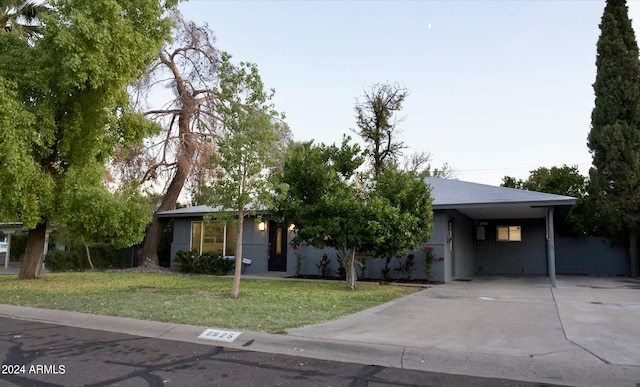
[[64, 106], [197, 76], [614, 139]]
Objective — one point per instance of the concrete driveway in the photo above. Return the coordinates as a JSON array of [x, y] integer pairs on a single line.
[[582, 326]]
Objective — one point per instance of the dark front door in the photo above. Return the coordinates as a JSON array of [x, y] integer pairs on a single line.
[[277, 247]]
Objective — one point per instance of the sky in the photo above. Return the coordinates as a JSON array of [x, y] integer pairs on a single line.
[[496, 87]]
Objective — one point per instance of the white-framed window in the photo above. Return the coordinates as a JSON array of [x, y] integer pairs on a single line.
[[213, 237], [508, 234]]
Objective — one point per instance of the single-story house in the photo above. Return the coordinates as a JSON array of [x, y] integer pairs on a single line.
[[477, 229]]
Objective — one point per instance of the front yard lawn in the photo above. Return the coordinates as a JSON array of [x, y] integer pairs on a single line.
[[264, 305]]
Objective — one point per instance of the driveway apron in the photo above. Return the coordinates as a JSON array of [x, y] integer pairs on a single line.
[[602, 315], [487, 315]]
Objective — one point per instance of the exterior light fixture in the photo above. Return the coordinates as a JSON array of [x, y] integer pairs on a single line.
[[292, 227], [262, 226]]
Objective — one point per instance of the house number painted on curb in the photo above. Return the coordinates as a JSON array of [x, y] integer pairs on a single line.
[[216, 334]]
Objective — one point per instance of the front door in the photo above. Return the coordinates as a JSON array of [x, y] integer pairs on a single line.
[[277, 247]]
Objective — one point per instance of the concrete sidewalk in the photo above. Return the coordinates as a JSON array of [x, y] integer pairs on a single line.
[[584, 332]]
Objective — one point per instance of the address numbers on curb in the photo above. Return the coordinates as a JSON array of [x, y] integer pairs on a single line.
[[219, 335]]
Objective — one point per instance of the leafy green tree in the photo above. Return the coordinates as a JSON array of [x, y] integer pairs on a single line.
[[563, 180], [512, 182], [614, 139], [22, 17], [92, 214], [318, 196], [331, 206], [407, 221], [252, 145], [64, 106]]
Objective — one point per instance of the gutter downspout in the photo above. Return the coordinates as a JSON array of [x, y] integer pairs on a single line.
[[551, 247]]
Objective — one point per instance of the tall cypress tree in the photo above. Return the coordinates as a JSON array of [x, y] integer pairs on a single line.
[[614, 139]]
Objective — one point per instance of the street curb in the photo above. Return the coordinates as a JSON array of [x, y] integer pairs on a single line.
[[549, 370]]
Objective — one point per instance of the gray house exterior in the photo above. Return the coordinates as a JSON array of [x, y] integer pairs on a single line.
[[477, 229]]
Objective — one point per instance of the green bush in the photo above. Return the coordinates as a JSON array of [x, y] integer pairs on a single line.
[[103, 256], [60, 260], [106, 256], [207, 263]]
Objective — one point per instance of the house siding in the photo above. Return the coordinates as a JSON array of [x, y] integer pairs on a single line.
[[590, 256], [524, 257]]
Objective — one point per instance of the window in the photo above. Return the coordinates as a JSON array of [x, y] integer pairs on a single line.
[[213, 237], [508, 233]]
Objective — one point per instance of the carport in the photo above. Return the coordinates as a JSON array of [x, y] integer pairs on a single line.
[[495, 230], [11, 228]]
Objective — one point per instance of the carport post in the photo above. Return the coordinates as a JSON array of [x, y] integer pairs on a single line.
[[7, 255], [551, 247]]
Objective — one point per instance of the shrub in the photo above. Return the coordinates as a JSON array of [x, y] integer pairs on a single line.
[[103, 256], [61, 260], [406, 268], [207, 263], [428, 262], [323, 266]]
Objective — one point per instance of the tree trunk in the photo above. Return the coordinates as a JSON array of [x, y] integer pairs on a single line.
[[633, 252], [184, 161], [34, 253], [235, 290], [86, 247], [350, 269]]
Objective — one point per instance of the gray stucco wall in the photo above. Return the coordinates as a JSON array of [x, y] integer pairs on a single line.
[[468, 256], [590, 256], [525, 257], [463, 241], [181, 237]]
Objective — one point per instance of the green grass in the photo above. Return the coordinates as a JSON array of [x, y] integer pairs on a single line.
[[264, 305]]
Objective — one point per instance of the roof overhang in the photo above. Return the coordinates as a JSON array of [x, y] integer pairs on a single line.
[[8, 228], [199, 212], [504, 210]]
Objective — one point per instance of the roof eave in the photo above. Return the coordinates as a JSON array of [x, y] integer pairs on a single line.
[[546, 203]]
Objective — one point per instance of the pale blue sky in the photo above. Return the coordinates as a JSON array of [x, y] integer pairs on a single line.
[[497, 87]]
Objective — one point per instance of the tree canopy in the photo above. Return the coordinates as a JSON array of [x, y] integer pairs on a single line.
[[565, 180], [331, 205], [614, 138], [65, 106], [378, 124], [251, 146], [21, 17]]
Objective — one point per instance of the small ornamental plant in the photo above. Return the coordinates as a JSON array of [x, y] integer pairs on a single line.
[[428, 262], [297, 250]]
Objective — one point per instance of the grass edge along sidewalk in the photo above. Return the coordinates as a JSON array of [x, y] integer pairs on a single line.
[[264, 305]]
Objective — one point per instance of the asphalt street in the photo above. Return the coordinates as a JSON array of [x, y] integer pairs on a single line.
[[39, 354]]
